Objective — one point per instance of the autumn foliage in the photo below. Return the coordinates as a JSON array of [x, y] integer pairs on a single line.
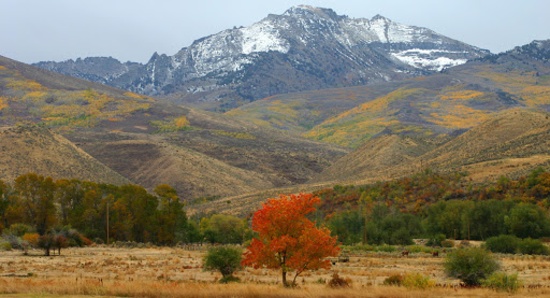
[[287, 239]]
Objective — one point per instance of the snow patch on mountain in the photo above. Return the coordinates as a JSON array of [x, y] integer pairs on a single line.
[[431, 59], [262, 37]]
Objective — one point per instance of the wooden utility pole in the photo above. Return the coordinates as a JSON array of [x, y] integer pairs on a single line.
[[107, 223]]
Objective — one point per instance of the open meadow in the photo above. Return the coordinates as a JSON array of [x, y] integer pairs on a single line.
[[177, 272]]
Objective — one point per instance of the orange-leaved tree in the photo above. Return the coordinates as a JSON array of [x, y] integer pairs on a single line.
[[287, 239]]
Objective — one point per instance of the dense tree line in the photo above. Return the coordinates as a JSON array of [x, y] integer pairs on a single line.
[[430, 204], [427, 205], [133, 213]]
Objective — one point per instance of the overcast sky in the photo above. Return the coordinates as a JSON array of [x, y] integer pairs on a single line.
[[132, 30]]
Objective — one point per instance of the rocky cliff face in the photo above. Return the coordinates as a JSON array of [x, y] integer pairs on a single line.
[[305, 48]]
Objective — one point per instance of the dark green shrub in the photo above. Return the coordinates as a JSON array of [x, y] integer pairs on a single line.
[[507, 244], [530, 246], [471, 265], [19, 230], [226, 259], [436, 240], [401, 237], [5, 246]]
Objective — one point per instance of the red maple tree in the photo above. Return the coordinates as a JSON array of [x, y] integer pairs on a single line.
[[287, 239]]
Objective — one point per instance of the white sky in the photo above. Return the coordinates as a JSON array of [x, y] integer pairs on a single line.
[[132, 30]]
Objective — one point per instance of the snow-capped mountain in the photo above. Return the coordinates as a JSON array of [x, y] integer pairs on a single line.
[[304, 48]]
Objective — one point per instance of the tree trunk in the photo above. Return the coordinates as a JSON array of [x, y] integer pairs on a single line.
[[284, 278], [294, 279]]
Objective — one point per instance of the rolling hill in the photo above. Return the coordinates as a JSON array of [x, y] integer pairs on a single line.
[[511, 143], [27, 149], [151, 142]]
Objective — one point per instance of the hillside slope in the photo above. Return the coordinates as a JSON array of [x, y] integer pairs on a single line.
[[27, 149], [151, 142], [511, 143]]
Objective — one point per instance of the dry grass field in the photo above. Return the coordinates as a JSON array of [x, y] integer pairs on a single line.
[[176, 272]]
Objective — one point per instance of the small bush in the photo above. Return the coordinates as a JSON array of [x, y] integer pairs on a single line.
[[19, 229], [417, 281], [418, 249], [507, 244], [226, 259], [13, 240], [500, 281], [394, 280], [31, 238], [436, 240], [471, 265], [447, 243], [530, 246], [4, 246], [85, 241], [337, 282]]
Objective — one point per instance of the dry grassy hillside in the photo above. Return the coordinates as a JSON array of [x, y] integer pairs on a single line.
[[376, 156], [28, 149], [151, 160], [512, 143]]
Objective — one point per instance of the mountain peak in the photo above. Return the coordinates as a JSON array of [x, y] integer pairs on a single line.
[[379, 17], [306, 47], [302, 9]]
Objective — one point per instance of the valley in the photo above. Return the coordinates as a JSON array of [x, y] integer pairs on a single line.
[[398, 147]]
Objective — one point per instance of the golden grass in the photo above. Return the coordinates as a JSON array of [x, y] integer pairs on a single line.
[[24, 84], [3, 102], [158, 289], [461, 95], [460, 116], [171, 272], [63, 108]]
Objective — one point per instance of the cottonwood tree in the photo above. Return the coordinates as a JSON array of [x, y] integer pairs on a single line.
[[287, 239], [171, 218], [221, 228], [36, 196]]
